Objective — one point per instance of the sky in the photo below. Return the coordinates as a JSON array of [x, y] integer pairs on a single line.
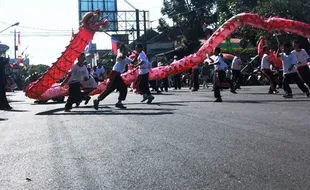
[[54, 15]]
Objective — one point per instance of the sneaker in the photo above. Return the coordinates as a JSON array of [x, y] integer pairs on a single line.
[[96, 104], [218, 100], [120, 106], [87, 100], [144, 98], [276, 92], [288, 96], [150, 99]]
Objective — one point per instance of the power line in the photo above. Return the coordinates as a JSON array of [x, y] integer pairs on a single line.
[[42, 29]]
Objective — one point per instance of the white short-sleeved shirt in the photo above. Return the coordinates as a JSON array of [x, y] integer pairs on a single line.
[[302, 57], [287, 62], [144, 68], [77, 73], [219, 59], [265, 64], [120, 64], [100, 71], [236, 64]]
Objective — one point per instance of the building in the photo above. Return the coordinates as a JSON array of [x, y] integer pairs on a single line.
[[3, 49], [109, 7]]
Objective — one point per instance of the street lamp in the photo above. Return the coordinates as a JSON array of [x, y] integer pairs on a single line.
[[15, 47], [16, 24]]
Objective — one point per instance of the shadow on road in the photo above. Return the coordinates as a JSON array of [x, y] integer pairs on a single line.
[[110, 111], [13, 110], [46, 103], [12, 101], [3, 119]]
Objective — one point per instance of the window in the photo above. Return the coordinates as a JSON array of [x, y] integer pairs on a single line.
[[84, 6], [103, 5]]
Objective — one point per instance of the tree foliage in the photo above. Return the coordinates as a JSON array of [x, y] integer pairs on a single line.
[[296, 10], [187, 14]]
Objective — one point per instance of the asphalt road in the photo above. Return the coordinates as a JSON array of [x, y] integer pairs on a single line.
[[182, 141]]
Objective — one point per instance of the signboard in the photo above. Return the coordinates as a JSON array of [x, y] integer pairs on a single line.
[[108, 7]]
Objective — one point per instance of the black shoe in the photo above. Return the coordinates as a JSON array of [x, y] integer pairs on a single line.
[[120, 106], [87, 100], [233, 91], [6, 108], [307, 94], [77, 105], [96, 104], [144, 98], [276, 92], [150, 99], [67, 110], [288, 96], [218, 100]]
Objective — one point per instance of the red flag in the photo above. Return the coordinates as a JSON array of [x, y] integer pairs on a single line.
[[114, 46], [18, 38]]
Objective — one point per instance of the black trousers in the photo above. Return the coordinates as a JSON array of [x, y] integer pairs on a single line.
[[272, 79], [165, 84], [236, 77], [177, 81], [115, 82], [143, 84], [153, 84], [280, 79], [304, 73], [293, 77], [217, 89], [4, 104], [196, 79], [75, 95]]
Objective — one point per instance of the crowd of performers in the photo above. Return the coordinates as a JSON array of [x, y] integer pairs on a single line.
[[225, 76], [295, 68]]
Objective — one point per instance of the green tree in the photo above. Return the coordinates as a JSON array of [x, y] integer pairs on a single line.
[[186, 15], [296, 10]]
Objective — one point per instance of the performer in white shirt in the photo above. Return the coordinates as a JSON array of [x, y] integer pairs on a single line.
[[143, 78], [302, 62], [265, 68], [76, 75], [220, 73], [236, 71], [115, 79], [89, 85], [289, 62]]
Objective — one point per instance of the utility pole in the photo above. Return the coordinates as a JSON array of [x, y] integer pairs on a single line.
[[15, 47], [138, 24], [145, 32]]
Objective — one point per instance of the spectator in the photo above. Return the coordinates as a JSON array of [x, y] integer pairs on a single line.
[[4, 104], [100, 72], [164, 81], [177, 78], [204, 75]]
